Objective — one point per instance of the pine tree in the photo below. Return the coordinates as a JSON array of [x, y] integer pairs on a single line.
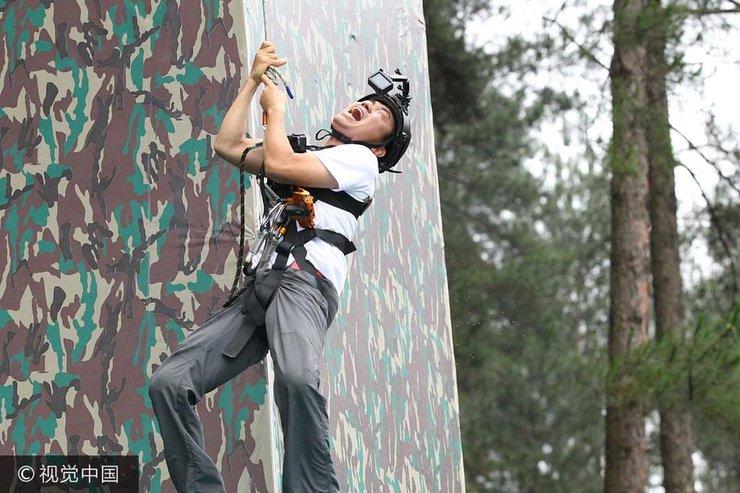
[[676, 433], [626, 461]]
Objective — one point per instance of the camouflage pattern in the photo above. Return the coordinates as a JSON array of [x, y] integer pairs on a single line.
[[119, 228]]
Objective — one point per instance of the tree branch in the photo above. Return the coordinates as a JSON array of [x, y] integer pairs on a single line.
[[721, 233], [712, 163], [585, 51], [732, 155], [703, 12]]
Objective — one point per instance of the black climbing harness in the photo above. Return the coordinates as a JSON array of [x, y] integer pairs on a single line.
[[279, 233], [277, 214]]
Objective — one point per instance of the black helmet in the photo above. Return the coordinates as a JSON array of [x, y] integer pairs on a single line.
[[394, 93]]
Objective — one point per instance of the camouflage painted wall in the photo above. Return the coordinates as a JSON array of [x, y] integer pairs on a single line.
[[118, 223], [119, 234]]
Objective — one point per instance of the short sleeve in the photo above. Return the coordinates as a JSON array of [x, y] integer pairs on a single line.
[[354, 167]]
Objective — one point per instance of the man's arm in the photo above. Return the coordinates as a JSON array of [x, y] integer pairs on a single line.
[[281, 163], [231, 141]]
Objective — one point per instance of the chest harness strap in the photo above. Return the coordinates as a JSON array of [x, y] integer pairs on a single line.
[[342, 199], [260, 287]]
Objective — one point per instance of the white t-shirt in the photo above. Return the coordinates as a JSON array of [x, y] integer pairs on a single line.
[[355, 168]]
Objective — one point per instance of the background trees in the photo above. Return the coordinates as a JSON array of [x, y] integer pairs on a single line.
[[528, 227]]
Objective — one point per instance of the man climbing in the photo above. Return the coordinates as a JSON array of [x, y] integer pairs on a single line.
[[286, 306]]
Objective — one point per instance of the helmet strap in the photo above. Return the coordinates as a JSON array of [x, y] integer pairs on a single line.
[[347, 140], [324, 133]]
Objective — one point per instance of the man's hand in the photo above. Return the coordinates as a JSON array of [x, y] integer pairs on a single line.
[[272, 97], [265, 57]]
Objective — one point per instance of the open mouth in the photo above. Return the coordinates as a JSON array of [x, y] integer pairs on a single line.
[[356, 113]]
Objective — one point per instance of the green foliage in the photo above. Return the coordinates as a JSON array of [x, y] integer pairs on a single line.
[[701, 370], [457, 74], [622, 154], [524, 333]]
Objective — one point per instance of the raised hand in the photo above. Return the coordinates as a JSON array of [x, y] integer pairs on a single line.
[[265, 57]]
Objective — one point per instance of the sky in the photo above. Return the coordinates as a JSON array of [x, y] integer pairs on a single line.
[[720, 62]]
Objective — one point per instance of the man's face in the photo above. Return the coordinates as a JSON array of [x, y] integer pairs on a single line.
[[370, 121]]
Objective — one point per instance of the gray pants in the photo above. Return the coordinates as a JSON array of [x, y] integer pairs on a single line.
[[295, 327]]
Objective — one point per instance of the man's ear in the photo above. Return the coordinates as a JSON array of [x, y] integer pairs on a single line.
[[378, 151]]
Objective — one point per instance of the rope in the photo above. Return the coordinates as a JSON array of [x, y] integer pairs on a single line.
[[243, 191], [240, 261], [276, 76]]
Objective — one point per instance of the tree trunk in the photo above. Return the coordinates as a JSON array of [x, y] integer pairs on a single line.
[[626, 460], [676, 437]]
